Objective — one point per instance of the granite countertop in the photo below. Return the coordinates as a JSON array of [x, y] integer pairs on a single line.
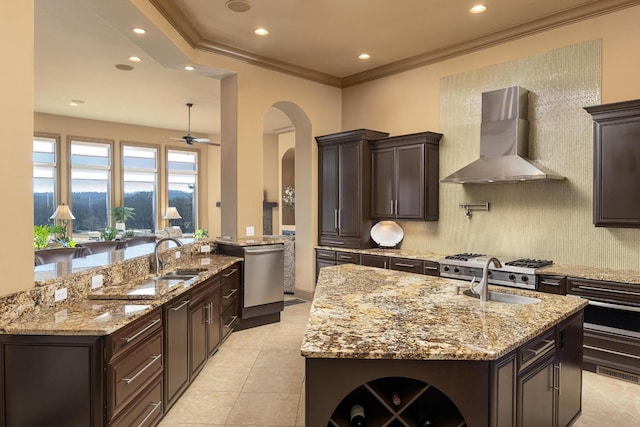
[[370, 313], [109, 308]]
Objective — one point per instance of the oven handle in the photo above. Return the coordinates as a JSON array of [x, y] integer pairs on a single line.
[[615, 306]]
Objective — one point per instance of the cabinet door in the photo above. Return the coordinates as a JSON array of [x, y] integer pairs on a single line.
[[383, 183], [176, 354], [328, 190], [214, 330], [410, 182], [198, 315], [374, 261], [570, 338], [536, 395], [349, 210]]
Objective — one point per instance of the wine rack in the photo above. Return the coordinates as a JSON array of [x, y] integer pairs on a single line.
[[417, 400]]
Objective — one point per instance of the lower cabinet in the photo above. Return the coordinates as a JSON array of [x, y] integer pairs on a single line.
[[374, 261], [204, 313], [230, 305], [404, 264], [536, 395], [176, 349]]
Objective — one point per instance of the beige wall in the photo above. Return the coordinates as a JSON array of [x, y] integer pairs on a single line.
[[271, 177], [16, 111], [119, 133], [410, 102]]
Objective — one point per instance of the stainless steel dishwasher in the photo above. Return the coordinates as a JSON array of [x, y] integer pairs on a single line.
[[263, 275]]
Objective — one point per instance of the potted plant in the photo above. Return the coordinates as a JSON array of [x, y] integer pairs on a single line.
[[121, 214], [201, 233], [109, 233]]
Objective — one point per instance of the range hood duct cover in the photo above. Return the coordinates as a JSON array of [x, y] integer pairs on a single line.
[[504, 143]]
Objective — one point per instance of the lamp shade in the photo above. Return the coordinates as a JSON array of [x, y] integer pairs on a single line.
[[171, 213], [62, 212]]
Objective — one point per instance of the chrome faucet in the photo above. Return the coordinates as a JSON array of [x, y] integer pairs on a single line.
[[482, 288], [159, 267]]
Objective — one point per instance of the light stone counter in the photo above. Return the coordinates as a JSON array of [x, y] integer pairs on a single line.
[[369, 313]]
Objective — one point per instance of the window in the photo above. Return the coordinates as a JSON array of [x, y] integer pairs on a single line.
[[140, 185], [182, 169], [90, 184], [45, 182]]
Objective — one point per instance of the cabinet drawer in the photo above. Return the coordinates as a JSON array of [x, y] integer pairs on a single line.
[[205, 288], [145, 411], [347, 257], [605, 291], [132, 334], [612, 348], [230, 286], [341, 242], [374, 261], [229, 319], [405, 264], [324, 254], [552, 284], [431, 268], [536, 349], [128, 374]]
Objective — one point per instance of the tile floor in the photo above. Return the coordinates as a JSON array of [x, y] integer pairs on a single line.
[[256, 379]]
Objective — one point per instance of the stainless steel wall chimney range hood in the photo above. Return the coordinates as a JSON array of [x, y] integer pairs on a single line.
[[504, 137]]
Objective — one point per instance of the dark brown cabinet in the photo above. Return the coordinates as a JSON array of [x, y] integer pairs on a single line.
[[204, 313], [404, 176], [344, 188], [552, 284], [616, 164], [374, 260], [176, 348], [230, 306], [405, 264]]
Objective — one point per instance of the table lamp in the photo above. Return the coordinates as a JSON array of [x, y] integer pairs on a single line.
[[171, 213], [64, 214]]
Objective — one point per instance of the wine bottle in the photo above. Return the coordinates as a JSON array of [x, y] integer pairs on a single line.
[[357, 416], [395, 399]]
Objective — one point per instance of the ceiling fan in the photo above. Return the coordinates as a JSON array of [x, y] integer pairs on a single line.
[[190, 139]]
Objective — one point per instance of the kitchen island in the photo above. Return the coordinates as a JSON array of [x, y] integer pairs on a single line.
[[374, 334]]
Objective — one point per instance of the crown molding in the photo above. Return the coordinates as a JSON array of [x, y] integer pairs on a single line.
[[183, 26]]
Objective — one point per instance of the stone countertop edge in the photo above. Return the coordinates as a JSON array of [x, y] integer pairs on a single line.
[[98, 317], [363, 312], [578, 271]]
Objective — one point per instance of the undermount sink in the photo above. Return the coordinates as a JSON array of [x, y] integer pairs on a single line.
[[182, 273], [504, 298]]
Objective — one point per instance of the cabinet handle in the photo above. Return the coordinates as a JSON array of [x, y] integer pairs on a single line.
[[339, 219], [334, 243], [556, 384], [617, 353], [207, 317], [391, 206], [396, 213], [615, 306], [550, 282], [402, 264], [147, 366], [430, 268], [155, 406], [231, 322], [151, 325], [345, 257], [230, 294], [610, 291], [231, 272], [180, 306], [546, 346], [335, 219], [385, 264]]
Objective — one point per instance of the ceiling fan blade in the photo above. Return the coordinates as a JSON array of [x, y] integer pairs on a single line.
[[206, 142]]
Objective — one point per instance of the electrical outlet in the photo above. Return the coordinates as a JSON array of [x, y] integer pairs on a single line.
[[250, 230], [205, 261], [205, 249], [177, 254], [97, 281], [60, 294]]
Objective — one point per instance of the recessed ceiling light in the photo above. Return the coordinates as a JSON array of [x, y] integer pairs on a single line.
[[364, 56], [139, 31], [124, 67], [479, 8], [134, 59], [261, 31], [238, 5], [76, 102], [189, 68]]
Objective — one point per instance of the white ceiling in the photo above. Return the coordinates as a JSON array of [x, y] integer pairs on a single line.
[[79, 42]]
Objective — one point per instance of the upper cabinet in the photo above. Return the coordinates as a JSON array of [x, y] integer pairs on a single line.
[[404, 176], [344, 188], [616, 164]]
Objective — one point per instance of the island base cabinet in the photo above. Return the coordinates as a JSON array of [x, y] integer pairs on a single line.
[[176, 349], [536, 395], [146, 412], [45, 375]]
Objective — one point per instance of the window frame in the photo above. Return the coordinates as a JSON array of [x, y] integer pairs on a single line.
[[158, 171], [197, 200], [110, 185], [57, 174]]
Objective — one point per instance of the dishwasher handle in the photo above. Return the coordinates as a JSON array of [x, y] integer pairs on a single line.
[[257, 250]]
